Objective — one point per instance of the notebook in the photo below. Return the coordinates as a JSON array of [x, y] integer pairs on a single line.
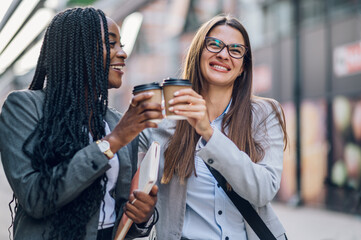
[[144, 179]]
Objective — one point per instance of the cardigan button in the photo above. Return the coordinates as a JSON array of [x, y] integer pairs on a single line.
[[210, 161], [94, 165]]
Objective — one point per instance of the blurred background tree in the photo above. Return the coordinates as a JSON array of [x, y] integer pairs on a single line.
[[80, 2]]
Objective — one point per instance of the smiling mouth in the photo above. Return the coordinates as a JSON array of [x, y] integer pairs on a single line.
[[219, 67], [117, 67]]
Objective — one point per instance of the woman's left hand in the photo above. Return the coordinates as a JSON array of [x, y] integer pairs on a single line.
[[140, 206], [188, 103]]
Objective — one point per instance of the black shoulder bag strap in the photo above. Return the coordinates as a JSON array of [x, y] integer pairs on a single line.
[[245, 208]]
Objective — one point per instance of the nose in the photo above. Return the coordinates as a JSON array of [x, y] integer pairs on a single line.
[[121, 53], [223, 53]]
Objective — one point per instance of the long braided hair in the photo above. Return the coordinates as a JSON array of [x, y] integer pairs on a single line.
[[74, 76]]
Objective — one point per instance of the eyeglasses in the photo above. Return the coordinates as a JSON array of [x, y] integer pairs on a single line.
[[235, 50]]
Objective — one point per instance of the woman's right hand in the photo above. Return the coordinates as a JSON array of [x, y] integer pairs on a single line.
[[188, 103], [134, 121]]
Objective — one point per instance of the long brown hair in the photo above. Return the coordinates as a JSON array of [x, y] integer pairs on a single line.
[[179, 155]]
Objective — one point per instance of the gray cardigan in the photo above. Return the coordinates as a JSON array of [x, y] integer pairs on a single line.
[[20, 114], [257, 183]]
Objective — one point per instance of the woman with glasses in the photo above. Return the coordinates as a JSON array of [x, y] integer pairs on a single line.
[[69, 158], [227, 128]]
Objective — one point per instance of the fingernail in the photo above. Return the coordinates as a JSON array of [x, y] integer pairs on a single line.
[[150, 93], [171, 109], [171, 101], [176, 93]]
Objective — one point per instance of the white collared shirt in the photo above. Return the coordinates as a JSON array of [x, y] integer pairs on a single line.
[[210, 214], [109, 201]]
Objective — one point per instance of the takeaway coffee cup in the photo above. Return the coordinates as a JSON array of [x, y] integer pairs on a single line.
[[170, 86], [150, 87]]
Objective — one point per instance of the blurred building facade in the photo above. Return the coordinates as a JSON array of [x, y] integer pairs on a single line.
[[307, 55]]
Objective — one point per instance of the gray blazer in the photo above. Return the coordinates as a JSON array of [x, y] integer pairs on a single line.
[[257, 183], [20, 114]]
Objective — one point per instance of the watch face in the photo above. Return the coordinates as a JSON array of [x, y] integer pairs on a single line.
[[103, 146]]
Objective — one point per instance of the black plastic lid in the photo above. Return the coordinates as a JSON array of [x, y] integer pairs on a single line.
[[147, 86], [176, 81]]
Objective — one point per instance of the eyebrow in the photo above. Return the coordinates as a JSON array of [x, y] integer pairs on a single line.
[[112, 34], [225, 43]]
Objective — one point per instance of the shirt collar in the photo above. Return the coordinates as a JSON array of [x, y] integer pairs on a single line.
[[220, 117]]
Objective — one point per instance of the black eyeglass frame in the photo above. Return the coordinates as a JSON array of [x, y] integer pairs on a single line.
[[225, 45]]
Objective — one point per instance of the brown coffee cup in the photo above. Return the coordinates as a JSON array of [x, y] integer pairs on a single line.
[[156, 98], [170, 86]]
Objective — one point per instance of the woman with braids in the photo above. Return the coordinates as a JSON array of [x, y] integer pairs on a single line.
[[69, 158], [227, 128]]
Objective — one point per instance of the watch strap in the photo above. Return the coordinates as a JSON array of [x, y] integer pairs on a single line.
[[107, 152]]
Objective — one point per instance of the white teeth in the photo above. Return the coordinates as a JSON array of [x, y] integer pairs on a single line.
[[117, 67], [220, 67]]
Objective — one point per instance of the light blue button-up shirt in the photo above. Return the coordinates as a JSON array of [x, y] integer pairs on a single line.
[[210, 214]]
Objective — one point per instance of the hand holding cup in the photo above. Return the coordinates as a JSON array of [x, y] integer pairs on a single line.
[[137, 118], [170, 86], [156, 97], [187, 104]]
